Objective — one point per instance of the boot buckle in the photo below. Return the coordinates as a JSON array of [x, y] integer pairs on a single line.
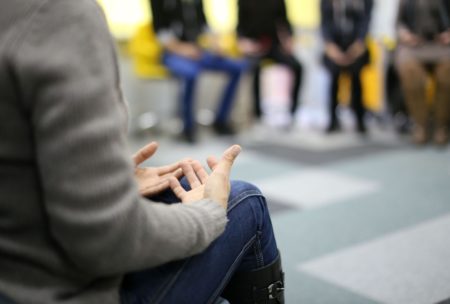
[[275, 289]]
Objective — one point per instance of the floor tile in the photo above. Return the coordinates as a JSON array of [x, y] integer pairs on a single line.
[[312, 188], [410, 266]]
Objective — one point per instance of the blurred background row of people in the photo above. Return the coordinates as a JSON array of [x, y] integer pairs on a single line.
[[265, 36]]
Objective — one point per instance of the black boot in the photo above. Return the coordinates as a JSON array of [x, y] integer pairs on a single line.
[[188, 136], [222, 128], [261, 286], [333, 126]]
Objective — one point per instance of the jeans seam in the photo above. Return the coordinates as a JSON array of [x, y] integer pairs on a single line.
[[238, 199], [258, 251], [231, 270], [171, 282]]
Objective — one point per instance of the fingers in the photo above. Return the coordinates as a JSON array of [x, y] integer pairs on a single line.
[[176, 187], [178, 173], [228, 158], [169, 168], [155, 189], [212, 162], [145, 153], [218, 186], [200, 171], [190, 174]]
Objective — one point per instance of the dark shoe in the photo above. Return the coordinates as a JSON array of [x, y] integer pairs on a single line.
[[188, 136], [264, 285], [361, 129], [223, 128], [334, 126]]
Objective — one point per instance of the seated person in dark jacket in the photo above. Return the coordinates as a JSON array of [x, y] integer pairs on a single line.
[[265, 33], [345, 24], [179, 24], [424, 48]]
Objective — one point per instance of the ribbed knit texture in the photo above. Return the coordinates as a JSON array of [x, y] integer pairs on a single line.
[[71, 219]]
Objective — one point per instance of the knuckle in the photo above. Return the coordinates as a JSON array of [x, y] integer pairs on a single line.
[[229, 157]]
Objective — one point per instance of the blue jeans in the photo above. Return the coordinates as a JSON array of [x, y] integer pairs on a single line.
[[248, 243], [188, 70]]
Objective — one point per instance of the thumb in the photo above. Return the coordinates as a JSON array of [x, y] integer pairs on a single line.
[[228, 158]]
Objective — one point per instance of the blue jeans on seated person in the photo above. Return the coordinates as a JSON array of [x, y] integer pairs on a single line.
[[248, 243], [189, 69]]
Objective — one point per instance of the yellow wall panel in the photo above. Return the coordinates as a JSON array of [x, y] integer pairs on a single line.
[[221, 14], [124, 17], [304, 13]]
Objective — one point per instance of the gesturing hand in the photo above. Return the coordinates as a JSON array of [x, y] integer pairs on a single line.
[[151, 180], [216, 186]]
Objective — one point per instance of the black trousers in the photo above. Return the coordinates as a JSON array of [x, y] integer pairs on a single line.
[[279, 56], [354, 70]]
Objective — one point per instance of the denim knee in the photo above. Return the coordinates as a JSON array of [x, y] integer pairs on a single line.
[[250, 201], [241, 190], [248, 212]]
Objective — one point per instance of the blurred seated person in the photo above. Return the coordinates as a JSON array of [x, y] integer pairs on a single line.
[[264, 32], [178, 25], [80, 221], [345, 26], [424, 50]]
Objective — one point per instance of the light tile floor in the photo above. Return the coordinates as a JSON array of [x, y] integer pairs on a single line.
[[406, 267]]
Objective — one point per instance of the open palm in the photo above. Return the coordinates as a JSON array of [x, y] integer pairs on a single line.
[[153, 180], [215, 186]]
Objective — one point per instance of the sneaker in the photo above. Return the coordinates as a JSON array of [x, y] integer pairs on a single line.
[[223, 128], [419, 135], [441, 136]]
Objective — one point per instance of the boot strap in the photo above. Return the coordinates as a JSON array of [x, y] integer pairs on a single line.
[[272, 292], [265, 285]]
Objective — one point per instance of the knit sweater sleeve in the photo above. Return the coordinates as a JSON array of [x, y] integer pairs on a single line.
[[66, 68]]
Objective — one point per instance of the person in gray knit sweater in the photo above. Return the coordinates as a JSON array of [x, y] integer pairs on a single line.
[[80, 222]]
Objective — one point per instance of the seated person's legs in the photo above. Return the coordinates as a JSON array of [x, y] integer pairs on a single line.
[[357, 99], [256, 87], [234, 68], [279, 56], [442, 103], [334, 123], [413, 76], [247, 244], [188, 70]]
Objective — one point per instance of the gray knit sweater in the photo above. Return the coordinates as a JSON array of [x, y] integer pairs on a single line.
[[71, 218]]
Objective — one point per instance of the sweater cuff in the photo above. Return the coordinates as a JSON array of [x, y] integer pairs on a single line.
[[216, 214]]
